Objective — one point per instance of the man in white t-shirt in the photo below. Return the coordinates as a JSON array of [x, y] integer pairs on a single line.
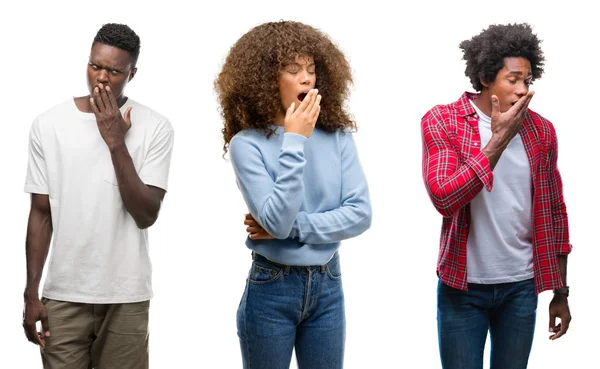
[[97, 173]]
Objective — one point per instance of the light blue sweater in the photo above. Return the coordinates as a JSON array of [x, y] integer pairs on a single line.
[[308, 193]]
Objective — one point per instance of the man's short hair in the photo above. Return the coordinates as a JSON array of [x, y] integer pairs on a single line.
[[121, 36]]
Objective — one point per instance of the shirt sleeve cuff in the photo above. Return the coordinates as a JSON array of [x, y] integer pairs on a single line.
[[481, 166], [293, 141], [565, 249], [36, 189]]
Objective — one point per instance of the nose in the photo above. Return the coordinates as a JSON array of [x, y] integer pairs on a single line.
[[522, 90], [304, 77], [102, 76]]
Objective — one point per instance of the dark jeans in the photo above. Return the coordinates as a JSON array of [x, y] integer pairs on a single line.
[[507, 310]]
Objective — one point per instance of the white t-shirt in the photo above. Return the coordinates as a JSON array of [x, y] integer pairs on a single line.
[[499, 246], [99, 255]]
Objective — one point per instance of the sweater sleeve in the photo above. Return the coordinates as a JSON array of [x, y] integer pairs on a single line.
[[273, 202], [352, 218]]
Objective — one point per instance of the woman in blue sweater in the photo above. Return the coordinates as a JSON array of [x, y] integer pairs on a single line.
[[282, 90]]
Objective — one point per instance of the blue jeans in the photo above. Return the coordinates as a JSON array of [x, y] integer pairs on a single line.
[[288, 306], [507, 310]]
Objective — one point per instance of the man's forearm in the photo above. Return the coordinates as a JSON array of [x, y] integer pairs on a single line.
[[493, 151], [139, 200], [562, 264], [37, 244]]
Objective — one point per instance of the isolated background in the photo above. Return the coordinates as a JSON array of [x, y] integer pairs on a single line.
[[405, 60]]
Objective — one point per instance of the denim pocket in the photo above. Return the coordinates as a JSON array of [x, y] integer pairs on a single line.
[[260, 274], [333, 268]]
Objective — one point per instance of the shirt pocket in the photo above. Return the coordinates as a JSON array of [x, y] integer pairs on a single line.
[[110, 175]]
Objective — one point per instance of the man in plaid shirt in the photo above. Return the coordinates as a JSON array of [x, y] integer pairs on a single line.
[[490, 168]]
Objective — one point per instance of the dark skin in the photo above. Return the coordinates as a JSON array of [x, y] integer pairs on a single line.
[[255, 230], [141, 201], [37, 243], [505, 100], [108, 72], [559, 306]]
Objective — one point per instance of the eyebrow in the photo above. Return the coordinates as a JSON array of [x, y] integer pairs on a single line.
[[519, 73], [121, 70]]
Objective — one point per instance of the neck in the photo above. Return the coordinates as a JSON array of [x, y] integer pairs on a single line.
[[279, 119], [121, 100], [484, 102]]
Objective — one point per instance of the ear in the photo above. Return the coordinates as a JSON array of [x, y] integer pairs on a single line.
[[132, 74], [484, 83]]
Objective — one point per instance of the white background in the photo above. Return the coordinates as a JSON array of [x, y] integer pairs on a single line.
[[405, 60]]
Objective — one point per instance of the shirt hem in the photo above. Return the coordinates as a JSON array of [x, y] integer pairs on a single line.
[[497, 280], [148, 181], [97, 300]]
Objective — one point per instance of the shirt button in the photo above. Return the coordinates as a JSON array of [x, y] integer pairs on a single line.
[[475, 144]]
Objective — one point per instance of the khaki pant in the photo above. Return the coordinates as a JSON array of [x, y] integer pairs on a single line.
[[99, 336]]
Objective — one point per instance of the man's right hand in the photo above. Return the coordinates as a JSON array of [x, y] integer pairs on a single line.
[[302, 120], [506, 125], [34, 310]]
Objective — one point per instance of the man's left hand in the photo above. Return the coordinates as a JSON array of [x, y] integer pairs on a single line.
[[559, 308]]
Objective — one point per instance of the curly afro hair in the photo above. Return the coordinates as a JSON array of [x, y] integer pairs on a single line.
[[485, 52], [248, 85], [121, 36]]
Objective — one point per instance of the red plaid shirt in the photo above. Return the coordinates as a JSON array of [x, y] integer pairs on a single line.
[[455, 170]]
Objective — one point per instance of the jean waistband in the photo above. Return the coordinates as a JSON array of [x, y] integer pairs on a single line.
[[258, 257]]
